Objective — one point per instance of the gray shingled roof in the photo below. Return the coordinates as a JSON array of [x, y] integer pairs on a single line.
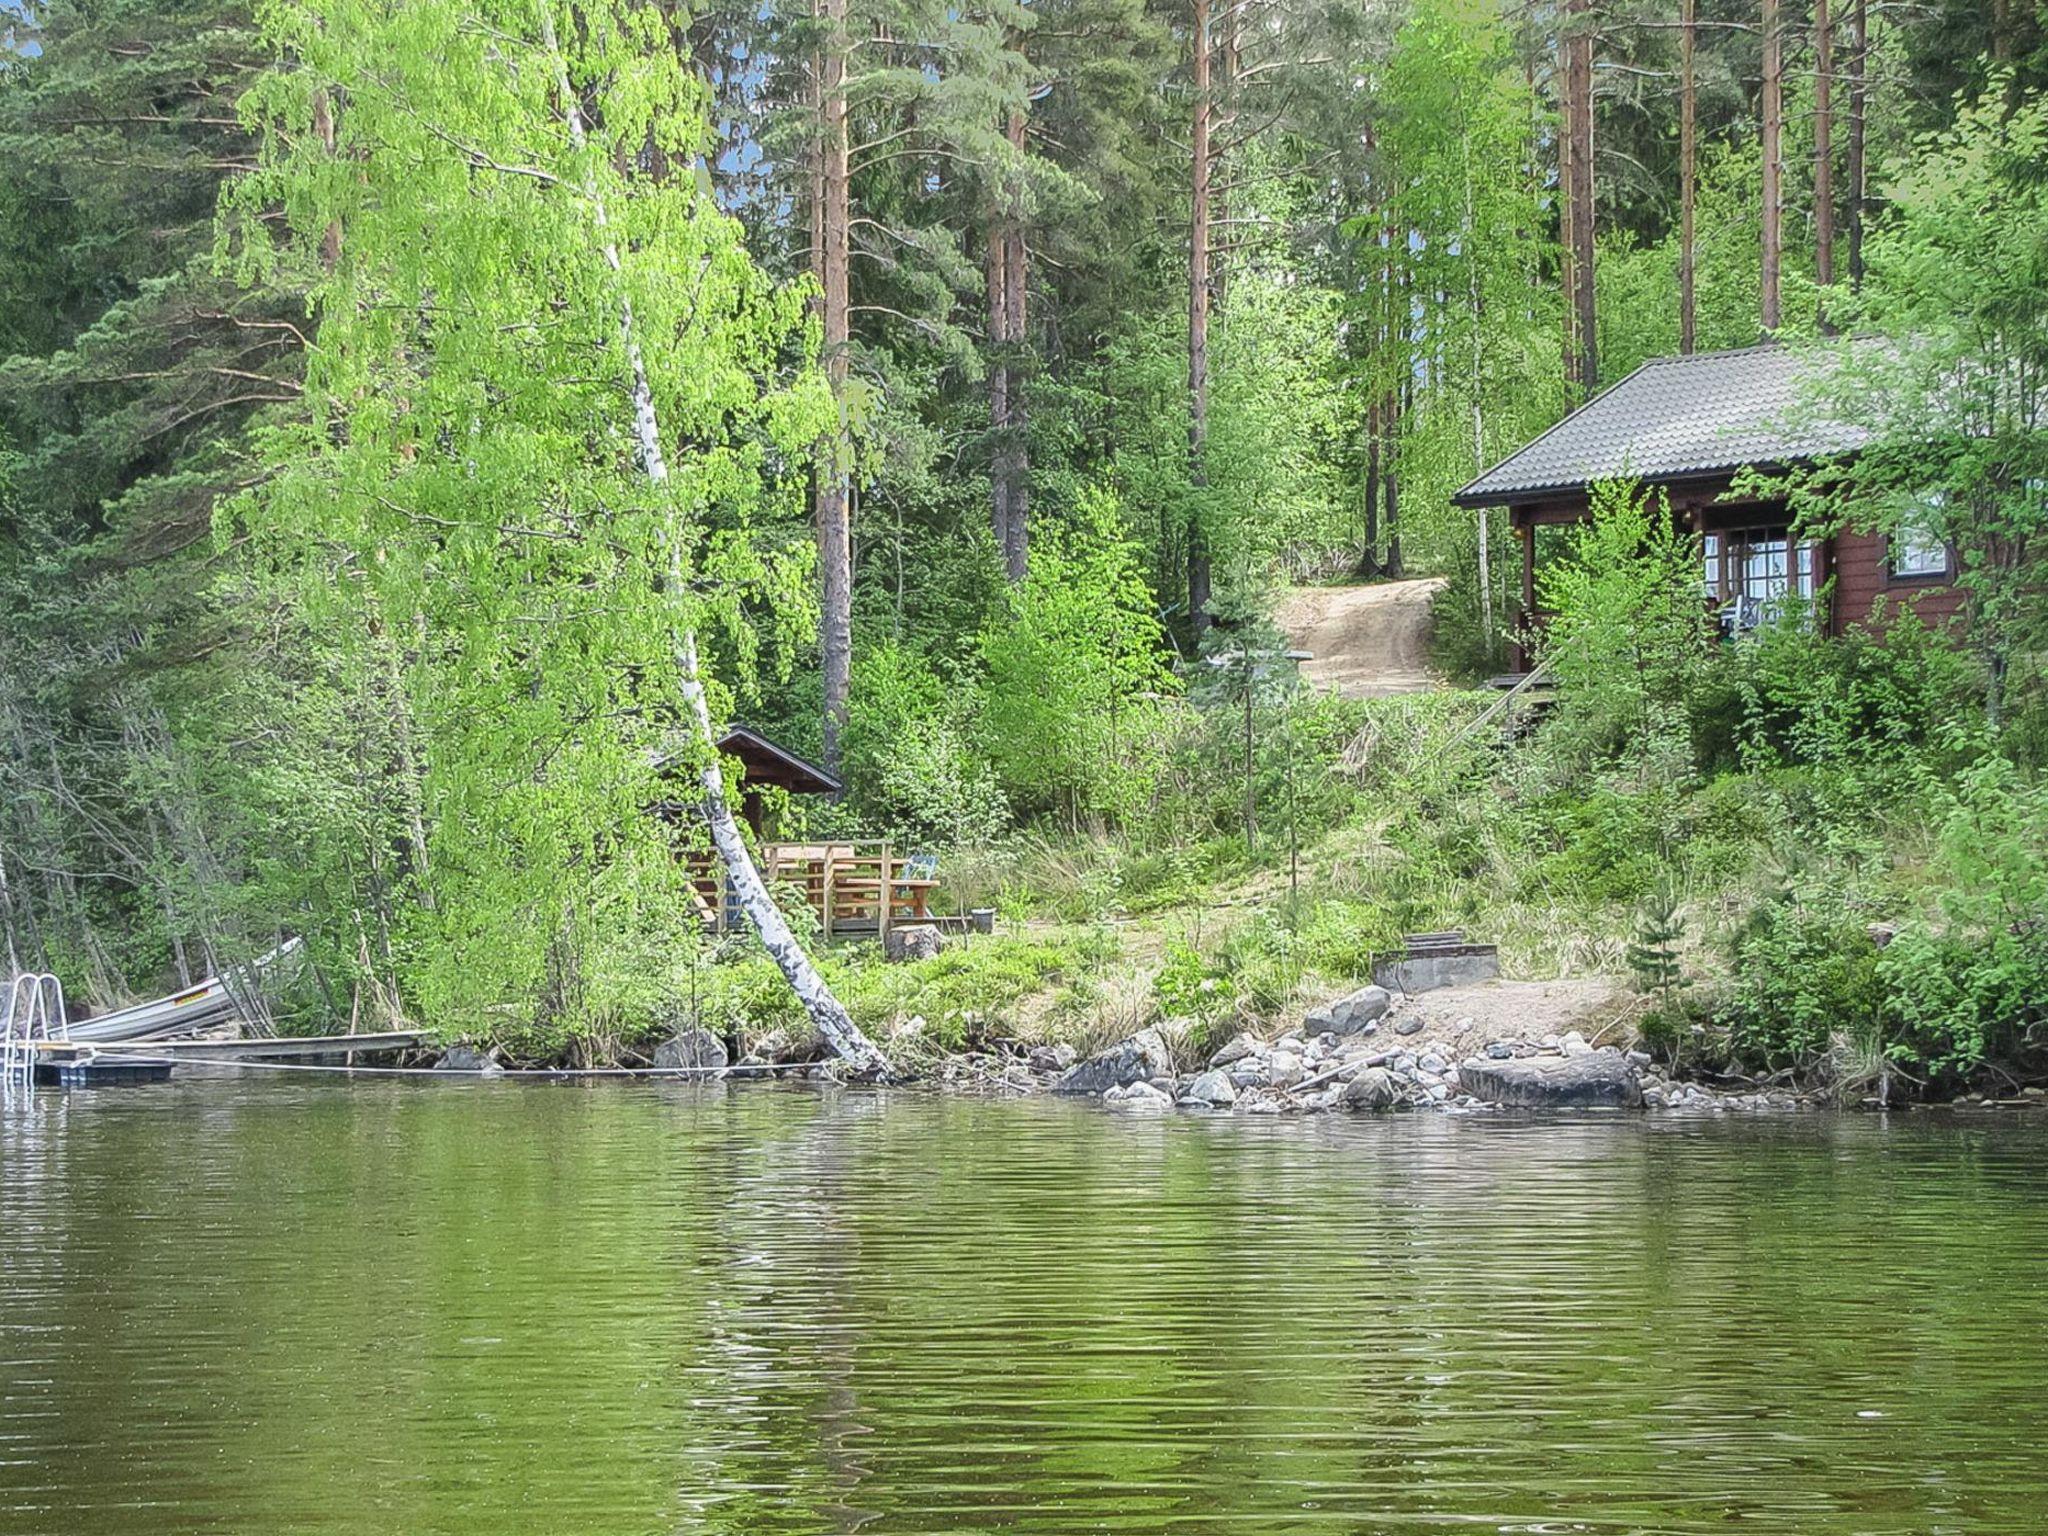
[[1673, 417]]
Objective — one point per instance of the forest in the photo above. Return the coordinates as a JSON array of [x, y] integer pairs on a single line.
[[425, 423]]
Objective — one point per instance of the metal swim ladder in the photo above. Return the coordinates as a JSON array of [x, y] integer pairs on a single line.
[[35, 1011]]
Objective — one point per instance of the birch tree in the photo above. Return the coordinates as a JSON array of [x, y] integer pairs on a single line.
[[544, 358]]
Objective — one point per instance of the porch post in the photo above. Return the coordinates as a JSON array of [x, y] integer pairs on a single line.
[[1527, 532]]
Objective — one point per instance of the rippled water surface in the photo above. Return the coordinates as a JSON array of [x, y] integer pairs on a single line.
[[395, 1308]]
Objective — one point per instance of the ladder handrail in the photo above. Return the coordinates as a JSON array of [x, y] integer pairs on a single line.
[[35, 1011]]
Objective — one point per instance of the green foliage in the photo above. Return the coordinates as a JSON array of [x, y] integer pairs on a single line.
[[1190, 986], [1627, 641], [467, 485], [1787, 695], [1074, 682], [1970, 976], [909, 756], [1806, 973], [1948, 399], [968, 991], [1654, 953]]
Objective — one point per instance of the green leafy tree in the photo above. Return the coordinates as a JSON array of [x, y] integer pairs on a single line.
[[1969, 978], [1074, 673], [544, 359], [1628, 636], [130, 374], [1946, 386]]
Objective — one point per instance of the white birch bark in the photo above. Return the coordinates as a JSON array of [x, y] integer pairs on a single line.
[[826, 1012]]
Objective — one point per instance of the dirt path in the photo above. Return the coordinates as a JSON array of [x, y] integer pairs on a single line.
[[1366, 641]]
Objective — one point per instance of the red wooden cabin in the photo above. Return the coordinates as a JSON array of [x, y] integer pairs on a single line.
[[1690, 426]]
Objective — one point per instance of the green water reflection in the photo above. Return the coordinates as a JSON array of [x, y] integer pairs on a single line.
[[503, 1308]]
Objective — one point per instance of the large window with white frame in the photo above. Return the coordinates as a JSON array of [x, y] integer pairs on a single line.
[[1755, 575]]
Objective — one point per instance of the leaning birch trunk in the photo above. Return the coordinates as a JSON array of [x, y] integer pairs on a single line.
[[825, 1010]]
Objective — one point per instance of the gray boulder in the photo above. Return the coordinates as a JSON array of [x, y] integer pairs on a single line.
[[1601, 1079], [1139, 1058], [1234, 1050], [466, 1058], [1142, 1098], [786, 1048], [1373, 1089], [919, 941], [1051, 1058], [1214, 1087], [1352, 1014], [694, 1050], [1284, 1070]]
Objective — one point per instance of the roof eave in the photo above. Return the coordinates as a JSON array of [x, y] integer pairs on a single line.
[[1516, 495]]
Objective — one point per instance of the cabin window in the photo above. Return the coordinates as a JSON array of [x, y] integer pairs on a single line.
[[1916, 550], [1757, 575]]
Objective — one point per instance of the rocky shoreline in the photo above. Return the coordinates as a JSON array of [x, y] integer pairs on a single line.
[[1370, 1051]]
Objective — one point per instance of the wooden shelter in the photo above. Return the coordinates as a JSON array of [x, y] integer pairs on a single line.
[[1691, 427], [767, 764], [852, 887]]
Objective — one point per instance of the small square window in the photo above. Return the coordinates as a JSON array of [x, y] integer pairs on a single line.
[[1914, 553], [1916, 548]]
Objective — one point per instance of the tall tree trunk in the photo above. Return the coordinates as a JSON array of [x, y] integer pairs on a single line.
[[1368, 565], [1578, 51], [1823, 148], [825, 1010], [1392, 411], [1567, 206], [1198, 327], [1859, 50], [1774, 168], [833, 497], [1015, 440], [15, 946], [1688, 177], [1391, 475], [1475, 295], [998, 267]]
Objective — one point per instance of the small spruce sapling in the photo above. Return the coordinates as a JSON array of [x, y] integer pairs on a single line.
[[1654, 960]]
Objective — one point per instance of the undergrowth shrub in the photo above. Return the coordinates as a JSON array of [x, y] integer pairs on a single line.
[[1805, 969], [1970, 976], [1786, 695]]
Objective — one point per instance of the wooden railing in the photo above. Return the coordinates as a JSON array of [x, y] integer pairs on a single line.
[[852, 887]]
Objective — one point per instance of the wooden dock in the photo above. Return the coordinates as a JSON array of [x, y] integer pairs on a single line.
[[81, 1063]]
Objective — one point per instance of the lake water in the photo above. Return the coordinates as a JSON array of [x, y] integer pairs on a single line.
[[305, 1305]]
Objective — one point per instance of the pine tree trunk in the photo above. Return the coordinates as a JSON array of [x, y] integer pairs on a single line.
[[1773, 153], [1015, 441], [1823, 146], [1578, 93], [1198, 328], [825, 1010], [1395, 569], [15, 945], [833, 498], [1688, 177], [1567, 209], [998, 270], [1859, 50], [1392, 413]]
